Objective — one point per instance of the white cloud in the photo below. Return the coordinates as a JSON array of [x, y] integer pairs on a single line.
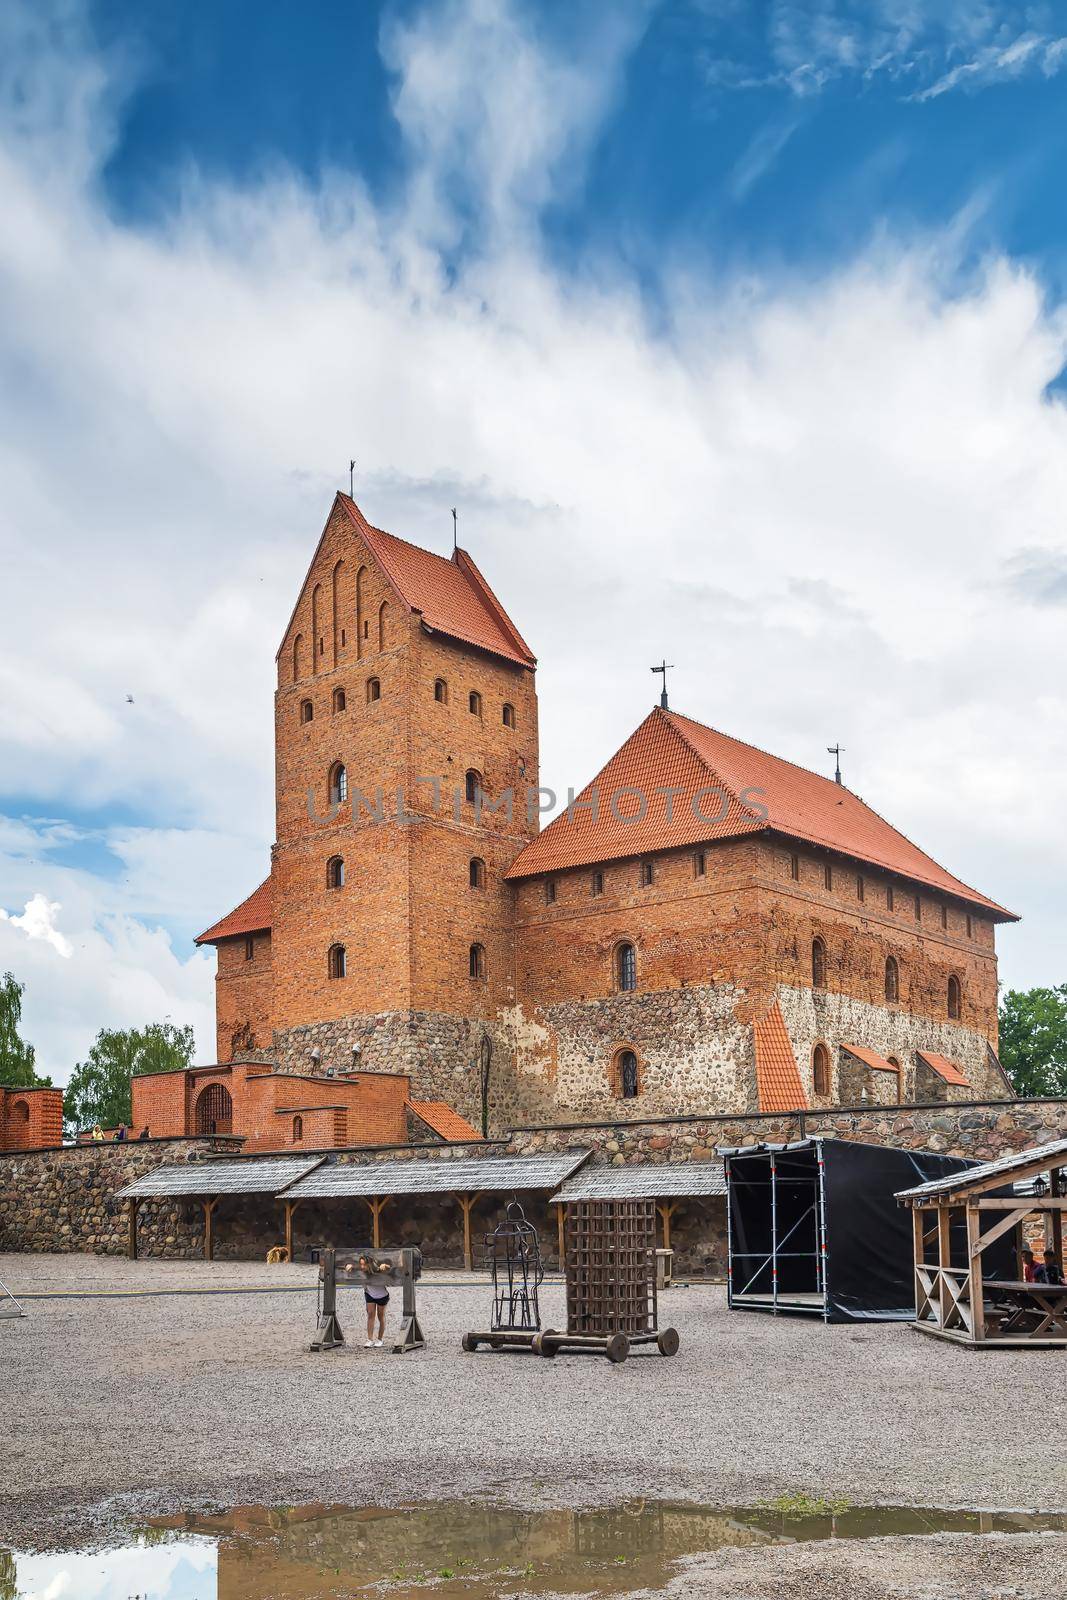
[[38, 921], [815, 496]]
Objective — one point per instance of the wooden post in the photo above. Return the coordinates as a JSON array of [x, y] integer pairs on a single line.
[[944, 1260], [560, 1237], [666, 1209], [290, 1207], [974, 1280], [209, 1238], [1056, 1241], [918, 1251], [134, 1204], [467, 1201], [377, 1204]]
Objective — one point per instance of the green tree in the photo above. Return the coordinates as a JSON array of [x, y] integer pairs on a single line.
[[16, 1056], [1033, 1040], [99, 1087]]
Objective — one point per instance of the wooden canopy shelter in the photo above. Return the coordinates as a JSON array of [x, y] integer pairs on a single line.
[[209, 1181], [968, 1232], [668, 1183]]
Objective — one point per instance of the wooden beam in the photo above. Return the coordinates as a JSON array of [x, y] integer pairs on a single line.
[[966, 1191], [377, 1203], [209, 1237], [467, 1202], [944, 1261], [290, 1207], [560, 1240], [975, 1246], [132, 1248], [978, 1242], [666, 1209], [1046, 1204]]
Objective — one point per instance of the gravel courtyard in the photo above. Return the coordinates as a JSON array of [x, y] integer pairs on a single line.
[[116, 1405]]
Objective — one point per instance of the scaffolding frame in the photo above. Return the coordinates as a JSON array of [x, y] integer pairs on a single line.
[[812, 1302]]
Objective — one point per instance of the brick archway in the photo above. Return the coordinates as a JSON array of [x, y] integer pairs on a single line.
[[213, 1112]]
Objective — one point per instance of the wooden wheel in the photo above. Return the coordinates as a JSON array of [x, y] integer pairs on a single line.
[[667, 1341], [469, 1342], [617, 1347], [543, 1343]]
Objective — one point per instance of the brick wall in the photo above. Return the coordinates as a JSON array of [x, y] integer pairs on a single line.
[[30, 1118], [243, 994]]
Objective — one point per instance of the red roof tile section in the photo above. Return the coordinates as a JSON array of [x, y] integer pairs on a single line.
[[251, 916], [451, 596], [777, 1078], [944, 1068], [870, 1059], [440, 1118], [724, 788]]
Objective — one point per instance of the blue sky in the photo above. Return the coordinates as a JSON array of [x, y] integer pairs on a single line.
[[747, 319]]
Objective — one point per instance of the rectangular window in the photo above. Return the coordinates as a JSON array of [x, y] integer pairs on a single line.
[[944, 916], [859, 888], [700, 864], [918, 908], [794, 868], [647, 873], [970, 928], [342, 638], [597, 885], [828, 876], [250, 948], [550, 891], [889, 897]]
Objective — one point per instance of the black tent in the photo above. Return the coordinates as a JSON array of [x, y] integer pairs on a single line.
[[814, 1226]]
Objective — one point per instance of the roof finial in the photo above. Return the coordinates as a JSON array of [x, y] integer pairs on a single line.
[[664, 667], [352, 479], [835, 751], [455, 532]]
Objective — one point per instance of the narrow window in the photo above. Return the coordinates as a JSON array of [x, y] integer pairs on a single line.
[[944, 916], [307, 711], [596, 886], [955, 999], [366, 630], [626, 967], [818, 964], [338, 700], [970, 928], [338, 784], [440, 691], [477, 873], [473, 785], [892, 979], [700, 864], [889, 904], [918, 908], [828, 875], [374, 689], [550, 891], [476, 966], [626, 1074], [298, 1129], [336, 964], [509, 716], [860, 890], [820, 1070], [647, 873], [342, 638], [250, 948], [322, 645], [335, 873], [794, 868], [474, 701]]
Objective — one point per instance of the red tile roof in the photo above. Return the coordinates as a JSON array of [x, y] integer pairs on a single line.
[[440, 1118], [251, 916], [747, 791], [870, 1059], [777, 1078], [451, 596], [944, 1068]]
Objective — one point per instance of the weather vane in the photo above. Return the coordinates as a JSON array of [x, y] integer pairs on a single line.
[[664, 667], [835, 751]]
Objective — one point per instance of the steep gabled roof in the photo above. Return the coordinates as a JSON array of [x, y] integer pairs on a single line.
[[745, 791], [441, 1119], [777, 1076], [944, 1068], [451, 596], [251, 916]]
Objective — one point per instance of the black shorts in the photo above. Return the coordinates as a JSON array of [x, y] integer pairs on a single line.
[[374, 1300]]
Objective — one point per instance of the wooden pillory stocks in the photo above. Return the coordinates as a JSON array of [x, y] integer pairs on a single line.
[[382, 1268]]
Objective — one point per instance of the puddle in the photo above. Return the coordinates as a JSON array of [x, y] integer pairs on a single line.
[[446, 1551]]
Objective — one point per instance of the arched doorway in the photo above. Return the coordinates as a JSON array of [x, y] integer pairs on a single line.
[[214, 1110]]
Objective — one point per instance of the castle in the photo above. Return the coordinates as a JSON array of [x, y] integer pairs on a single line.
[[705, 928]]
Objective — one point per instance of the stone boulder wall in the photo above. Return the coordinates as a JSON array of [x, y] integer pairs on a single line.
[[64, 1199]]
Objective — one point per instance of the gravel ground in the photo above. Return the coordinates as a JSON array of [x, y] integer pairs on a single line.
[[117, 1406]]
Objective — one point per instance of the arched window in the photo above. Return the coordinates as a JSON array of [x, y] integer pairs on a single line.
[[476, 966], [338, 700], [374, 689], [20, 1112], [818, 964], [440, 691], [820, 1070], [625, 967], [550, 891], [298, 657], [213, 1111], [338, 784], [892, 979], [626, 1074], [336, 964], [474, 703], [298, 1129], [509, 716], [335, 873], [250, 947], [473, 785], [383, 625], [307, 711], [477, 873], [955, 998]]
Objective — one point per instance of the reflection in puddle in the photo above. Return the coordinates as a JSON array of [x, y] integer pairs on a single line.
[[479, 1552]]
